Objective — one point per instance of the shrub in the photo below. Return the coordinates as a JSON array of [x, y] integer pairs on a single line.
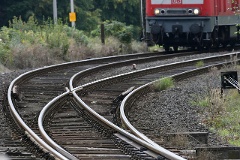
[[32, 56], [18, 24], [77, 35], [4, 52], [27, 44], [117, 29]]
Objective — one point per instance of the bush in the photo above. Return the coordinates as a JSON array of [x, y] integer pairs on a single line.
[[18, 24], [4, 52], [33, 56], [118, 30], [27, 44]]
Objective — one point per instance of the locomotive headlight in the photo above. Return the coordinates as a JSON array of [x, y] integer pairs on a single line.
[[196, 11], [157, 11]]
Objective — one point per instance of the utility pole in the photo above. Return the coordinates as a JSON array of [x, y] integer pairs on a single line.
[[55, 11], [73, 14]]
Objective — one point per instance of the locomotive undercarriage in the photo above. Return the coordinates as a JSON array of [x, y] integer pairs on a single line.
[[192, 32], [221, 36]]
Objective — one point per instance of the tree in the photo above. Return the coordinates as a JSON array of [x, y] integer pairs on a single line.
[[89, 12], [127, 11]]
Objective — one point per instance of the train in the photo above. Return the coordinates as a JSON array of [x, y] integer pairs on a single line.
[[195, 24]]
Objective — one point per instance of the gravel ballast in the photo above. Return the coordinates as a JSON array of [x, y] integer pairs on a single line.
[[159, 113], [173, 111]]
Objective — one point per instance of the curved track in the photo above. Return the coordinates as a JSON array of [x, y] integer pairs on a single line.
[[69, 120]]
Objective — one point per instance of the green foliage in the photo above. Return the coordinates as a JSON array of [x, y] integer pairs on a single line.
[[4, 52], [121, 10], [202, 102], [163, 84], [199, 64], [155, 48], [19, 24], [116, 29], [78, 35], [28, 44], [4, 45], [25, 34], [222, 115], [89, 12]]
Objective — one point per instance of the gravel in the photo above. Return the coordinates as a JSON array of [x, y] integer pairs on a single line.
[[172, 110], [125, 69], [158, 113]]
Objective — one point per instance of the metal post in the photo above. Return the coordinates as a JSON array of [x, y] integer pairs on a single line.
[[143, 18], [55, 11], [102, 34], [72, 10]]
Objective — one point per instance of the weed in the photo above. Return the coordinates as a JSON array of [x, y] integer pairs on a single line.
[[163, 84], [222, 114], [205, 102], [199, 64]]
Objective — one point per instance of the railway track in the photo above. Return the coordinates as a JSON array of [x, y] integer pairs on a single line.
[[38, 84], [68, 121]]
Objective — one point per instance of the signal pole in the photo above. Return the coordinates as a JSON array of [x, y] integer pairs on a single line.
[[55, 11], [72, 11]]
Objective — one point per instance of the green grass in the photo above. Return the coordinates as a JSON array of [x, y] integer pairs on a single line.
[[223, 115], [199, 64], [202, 102], [155, 48], [163, 84]]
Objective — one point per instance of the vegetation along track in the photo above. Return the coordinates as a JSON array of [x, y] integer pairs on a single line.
[[30, 92]]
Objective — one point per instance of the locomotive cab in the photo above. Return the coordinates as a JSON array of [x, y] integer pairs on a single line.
[[190, 23]]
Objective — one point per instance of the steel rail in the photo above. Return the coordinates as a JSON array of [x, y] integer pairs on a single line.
[[119, 64], [141, 89], [43, 113], [92, 112], [17, 118], [45, 136], [22, 124], [48, 106], [149, 70], [160, 150]]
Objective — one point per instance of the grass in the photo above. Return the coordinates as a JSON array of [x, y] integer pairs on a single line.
[[163, 84], [199, 64], [155, 48], [222, 114], [202, 102]]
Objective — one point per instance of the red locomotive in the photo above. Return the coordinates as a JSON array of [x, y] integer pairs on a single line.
[[192, 23]]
